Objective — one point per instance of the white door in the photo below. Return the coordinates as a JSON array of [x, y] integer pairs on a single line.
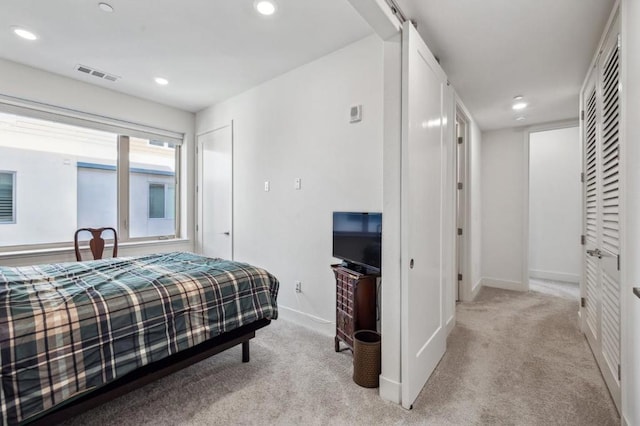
[[423, 334], [215, 193], [601, 139]]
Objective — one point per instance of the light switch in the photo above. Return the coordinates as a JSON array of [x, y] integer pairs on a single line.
[[267, 186], [355, 113], [298, 183]]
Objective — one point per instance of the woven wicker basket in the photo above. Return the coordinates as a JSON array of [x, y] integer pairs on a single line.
[[366, 358]]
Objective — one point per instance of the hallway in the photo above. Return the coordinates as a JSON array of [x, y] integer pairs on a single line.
[[518, 358]]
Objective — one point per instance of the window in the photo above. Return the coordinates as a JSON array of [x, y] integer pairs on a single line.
[[162, 201], [152, 180], [156, 201], [74, 176], [7, 197]]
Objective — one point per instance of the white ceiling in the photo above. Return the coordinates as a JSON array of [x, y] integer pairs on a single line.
[[210, 50], [493, 50]]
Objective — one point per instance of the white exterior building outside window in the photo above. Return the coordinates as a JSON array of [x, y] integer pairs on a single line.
[[68, 179]]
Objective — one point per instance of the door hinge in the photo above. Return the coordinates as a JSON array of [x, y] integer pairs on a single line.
[[459, 277], [582, 115], [618, 262], [197, 188], [619, 372], [582, 177], [197, 228], [197, 150], [583, 302], [460, 185], [583, 240], [459, 231], [460, 139]]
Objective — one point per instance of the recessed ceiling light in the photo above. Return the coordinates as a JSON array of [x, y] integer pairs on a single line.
[[265, 7], [520, 105], [520, 118], [161, 81], [105, 7], [25, 34]]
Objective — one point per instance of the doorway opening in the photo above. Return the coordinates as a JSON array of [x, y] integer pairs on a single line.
[[555, 206]]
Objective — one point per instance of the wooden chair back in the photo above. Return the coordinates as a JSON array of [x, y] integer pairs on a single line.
[[96, 244]]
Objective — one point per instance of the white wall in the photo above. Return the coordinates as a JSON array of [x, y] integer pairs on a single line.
[[630, 238], [475, 207], [555, 204], [297, 125], [40, 86], [503, 186]]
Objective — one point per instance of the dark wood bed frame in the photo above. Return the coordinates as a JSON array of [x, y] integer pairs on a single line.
[[150, 373]]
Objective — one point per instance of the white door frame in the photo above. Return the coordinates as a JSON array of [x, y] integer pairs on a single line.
[[199, 192], [525, 192], [463, 266]]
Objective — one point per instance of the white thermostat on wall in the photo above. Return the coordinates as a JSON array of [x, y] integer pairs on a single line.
[[356, 113]]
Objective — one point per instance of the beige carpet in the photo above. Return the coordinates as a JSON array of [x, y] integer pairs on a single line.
[[513, 359]]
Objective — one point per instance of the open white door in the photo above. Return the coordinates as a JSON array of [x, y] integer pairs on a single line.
[[215, 193], [424, 121]]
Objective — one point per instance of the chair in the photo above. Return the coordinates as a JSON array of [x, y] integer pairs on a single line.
[[96, 244]]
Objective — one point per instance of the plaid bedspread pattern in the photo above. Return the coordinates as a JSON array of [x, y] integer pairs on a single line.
[[71, 327]]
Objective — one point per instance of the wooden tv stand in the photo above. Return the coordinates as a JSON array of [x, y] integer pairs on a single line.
[[355, 304]]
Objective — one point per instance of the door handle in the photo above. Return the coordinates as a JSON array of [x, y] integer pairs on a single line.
[[595, 253], [226, 233]]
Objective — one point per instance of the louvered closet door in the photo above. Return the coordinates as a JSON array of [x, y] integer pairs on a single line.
[[592, 272], [602, 208]]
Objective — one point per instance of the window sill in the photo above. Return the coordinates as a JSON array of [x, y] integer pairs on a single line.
[[70, 250]]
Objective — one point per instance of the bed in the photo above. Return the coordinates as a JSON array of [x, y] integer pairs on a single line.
[[73, 335]]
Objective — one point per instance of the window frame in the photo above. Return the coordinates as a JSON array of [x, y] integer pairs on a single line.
[[14, 214], [124, 130]]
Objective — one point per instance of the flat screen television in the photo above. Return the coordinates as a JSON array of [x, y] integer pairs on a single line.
[[357, 239]]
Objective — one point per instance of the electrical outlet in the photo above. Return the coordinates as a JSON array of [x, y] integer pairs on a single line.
[[298, 286]]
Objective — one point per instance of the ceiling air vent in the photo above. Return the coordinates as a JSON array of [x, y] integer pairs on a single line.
[[94, 72]]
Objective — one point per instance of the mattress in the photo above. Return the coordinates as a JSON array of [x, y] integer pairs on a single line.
[[69, 328]]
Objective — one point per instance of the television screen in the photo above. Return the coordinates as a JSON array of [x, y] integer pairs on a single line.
[[357, 238]]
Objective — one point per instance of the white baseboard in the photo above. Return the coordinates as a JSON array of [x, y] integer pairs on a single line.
[[476, 289], [451, 323], [313, 322], [470, 296], [390, 390], [504, 284], [554, 275]]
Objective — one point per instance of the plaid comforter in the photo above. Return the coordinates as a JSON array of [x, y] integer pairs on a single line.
[[71, 327]]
